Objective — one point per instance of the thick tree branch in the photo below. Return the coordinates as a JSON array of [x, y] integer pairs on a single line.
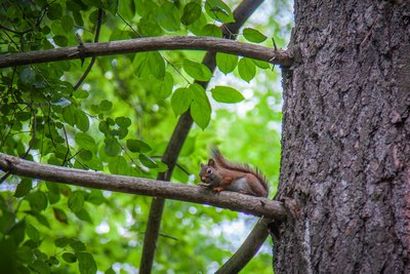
[[280, 57], [234, 201], [241, 14]]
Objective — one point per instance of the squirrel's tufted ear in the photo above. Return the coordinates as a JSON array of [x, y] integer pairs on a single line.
[[211, 163]]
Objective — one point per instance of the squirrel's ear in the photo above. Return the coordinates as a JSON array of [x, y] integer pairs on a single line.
[[211, 163]]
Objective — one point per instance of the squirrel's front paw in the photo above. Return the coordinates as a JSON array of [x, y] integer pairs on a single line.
[[217, 189], [207, 185]]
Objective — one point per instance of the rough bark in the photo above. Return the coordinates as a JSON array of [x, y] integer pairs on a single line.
[[346, 139]]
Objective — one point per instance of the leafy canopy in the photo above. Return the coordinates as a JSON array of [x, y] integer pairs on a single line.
[[119, 121]]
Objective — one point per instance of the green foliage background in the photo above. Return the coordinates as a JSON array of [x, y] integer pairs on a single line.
[[120, 121]]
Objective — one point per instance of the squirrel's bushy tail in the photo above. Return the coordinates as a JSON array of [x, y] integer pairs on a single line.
[[222, 162]]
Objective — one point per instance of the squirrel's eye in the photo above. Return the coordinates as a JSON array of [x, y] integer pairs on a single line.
[[209, 171]]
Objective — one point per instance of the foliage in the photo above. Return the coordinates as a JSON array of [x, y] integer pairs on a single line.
[[119, 122]]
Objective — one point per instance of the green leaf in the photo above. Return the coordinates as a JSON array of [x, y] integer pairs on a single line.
[[92, 3], [69, 115], [210, 30], [69, 257], [77, 245], [181, 100], [40, 266], [112, 147], [85, 141], [54, 11], [253, 35], [53, 261], [86, 263], [85, 154], [78, 18], [161, 167], [96, 197], [67, 23], [138, 146], [81, 121], [53, 197], [62, 242], [164, 88], [123, 121], [192, 12], [261, 64], [149, 63], [25, 254], [147, 161], [197, 71], [109, 271], [17, 231], [225, 94], [147, 26], [23, 115], [105, 105], [246, 69], [37, 200], [226, 62], [84, 215], [41, 219], [118, 165], [81, 94], [23, 188], [60, 40], [76, 201], [200, 107], [168, 17], [32, 232], [127, 9], [111, 6], [60, 215], [219, 11]]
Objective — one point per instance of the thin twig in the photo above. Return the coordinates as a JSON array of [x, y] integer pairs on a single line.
[[90, 65]]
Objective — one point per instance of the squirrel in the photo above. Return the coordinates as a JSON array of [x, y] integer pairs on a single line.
[[220, 174]]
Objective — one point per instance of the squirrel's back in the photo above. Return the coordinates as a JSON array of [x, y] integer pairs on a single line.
[[222, 162]]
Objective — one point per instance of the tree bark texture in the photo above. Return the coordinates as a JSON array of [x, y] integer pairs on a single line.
[[345, 173]]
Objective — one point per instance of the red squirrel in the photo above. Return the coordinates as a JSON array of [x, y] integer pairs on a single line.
[[220, 174]]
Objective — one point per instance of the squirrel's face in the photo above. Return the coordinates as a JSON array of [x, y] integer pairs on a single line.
[[207, 173]]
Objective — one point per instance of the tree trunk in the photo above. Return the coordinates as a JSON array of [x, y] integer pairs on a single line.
[[345, 173]]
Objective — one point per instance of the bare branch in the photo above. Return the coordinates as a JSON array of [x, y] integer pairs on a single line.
[[234, 201], [280, 57]]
